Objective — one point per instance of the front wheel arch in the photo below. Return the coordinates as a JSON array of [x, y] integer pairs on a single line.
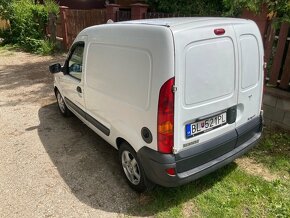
[[55, 90], [64, 109]]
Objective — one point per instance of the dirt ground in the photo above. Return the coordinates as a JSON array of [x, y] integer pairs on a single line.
[[52, 166]]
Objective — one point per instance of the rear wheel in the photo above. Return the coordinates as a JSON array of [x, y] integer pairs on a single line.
[[61, 105], [133, 170]]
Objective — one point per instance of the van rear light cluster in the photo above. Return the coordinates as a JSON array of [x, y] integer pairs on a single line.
[[171, 171], [165, 117]]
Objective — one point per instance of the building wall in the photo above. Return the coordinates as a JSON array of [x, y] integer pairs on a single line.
[[276, 106]]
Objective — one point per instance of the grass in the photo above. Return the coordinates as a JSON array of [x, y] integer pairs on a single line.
[[46, 48], [274, 151], [230, 191], [7, 50]]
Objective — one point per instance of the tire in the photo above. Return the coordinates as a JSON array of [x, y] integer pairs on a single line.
[[61, 105], [133, 170]]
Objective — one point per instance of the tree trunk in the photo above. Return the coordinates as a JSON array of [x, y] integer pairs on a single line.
[[52, 27]]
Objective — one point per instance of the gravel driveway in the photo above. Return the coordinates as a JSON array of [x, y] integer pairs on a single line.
[[52, 166]]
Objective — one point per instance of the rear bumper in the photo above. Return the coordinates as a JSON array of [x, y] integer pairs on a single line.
[[195, 163]]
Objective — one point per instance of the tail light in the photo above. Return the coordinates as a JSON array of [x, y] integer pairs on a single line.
[[171, 171], [165, 119]]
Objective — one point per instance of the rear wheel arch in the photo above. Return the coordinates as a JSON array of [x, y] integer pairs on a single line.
[[142, 182], [120, 141], [128, 134]]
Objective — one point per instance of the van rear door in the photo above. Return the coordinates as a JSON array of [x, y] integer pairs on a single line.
[[250, 72], [206, 79]]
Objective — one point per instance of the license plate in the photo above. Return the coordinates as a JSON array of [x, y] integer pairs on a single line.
[[205, 125]]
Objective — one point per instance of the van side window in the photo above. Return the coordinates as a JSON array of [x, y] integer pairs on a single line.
[[75, 62]]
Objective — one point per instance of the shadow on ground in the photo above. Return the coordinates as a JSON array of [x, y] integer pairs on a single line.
[[87, 163], [26, 79], [90, 167]]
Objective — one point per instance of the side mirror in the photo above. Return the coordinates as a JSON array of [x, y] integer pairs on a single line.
[[55, 68]]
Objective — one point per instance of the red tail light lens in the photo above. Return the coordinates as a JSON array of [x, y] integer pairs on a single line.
[[165, 119], [171, 171]]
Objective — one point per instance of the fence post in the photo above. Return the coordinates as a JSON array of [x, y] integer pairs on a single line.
[[138, 11], [268, 45], [64, 26], [284, 84], [277, 62], [112, 12]]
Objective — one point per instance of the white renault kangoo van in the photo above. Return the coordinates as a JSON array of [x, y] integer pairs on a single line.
[[178, 97]]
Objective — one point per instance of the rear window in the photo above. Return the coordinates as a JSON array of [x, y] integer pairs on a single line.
[[249, 61], [209, 70]]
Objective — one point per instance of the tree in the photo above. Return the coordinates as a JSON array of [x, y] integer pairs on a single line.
[[220, 7], [27, 24], [39, 2], [281, 8], [188, 7]]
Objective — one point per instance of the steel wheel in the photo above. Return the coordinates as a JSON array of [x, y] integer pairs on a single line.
[[131, 167]]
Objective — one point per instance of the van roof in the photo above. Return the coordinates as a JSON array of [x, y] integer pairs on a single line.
[[175, 24], [176, 21]]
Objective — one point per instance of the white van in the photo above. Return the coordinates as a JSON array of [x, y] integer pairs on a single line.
[[178, 97]]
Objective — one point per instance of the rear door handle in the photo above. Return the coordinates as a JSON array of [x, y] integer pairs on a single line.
[[79, 90]]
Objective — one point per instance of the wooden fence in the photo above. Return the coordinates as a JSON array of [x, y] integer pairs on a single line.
[[71, 21], [277, 56], [276, 42], [123, 15], [151, 15]]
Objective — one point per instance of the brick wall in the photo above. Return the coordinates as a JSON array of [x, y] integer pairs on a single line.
[[276, 106]]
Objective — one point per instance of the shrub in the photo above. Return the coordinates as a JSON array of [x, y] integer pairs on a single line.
[[220, 7], [5, 8], [280, 8], [27, 24], [187, 7]]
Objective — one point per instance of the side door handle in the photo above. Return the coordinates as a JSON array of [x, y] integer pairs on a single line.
[[79, 90]]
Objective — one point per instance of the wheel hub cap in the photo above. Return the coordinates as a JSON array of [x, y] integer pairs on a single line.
[[130, 167]]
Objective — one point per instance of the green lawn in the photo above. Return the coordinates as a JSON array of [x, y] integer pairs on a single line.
[[231, 191], [274, 152]]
